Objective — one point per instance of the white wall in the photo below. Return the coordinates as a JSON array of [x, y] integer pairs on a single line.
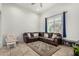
[[0, 28], [0, 19], [18, 20], [0, 6], [72, 19]]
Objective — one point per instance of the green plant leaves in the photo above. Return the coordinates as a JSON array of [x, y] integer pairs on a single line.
[[76, 50]]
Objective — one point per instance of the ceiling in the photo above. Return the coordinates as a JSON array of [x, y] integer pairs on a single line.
[[36, 6]]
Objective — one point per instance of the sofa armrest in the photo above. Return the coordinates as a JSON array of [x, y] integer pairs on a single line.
[[55, 40], [58, 40], [25, 38]]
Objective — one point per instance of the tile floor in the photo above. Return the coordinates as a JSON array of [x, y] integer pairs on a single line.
[[23, 50]]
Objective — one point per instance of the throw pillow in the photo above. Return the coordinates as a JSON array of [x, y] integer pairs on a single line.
[[54, 36], [29, 35], [46, 35], [35, 34]]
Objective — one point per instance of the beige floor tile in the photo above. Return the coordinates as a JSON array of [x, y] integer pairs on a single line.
[[4, 52], [64, 51]]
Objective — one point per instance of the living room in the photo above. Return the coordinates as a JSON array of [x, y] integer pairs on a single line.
[[20, 18]]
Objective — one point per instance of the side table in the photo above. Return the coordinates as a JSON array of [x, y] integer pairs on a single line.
[[68, 42], [77, 43]]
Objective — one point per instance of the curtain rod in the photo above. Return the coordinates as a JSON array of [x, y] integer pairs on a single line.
[[57, 14]]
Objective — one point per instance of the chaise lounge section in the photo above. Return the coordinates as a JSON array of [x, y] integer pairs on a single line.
[[50, 38]]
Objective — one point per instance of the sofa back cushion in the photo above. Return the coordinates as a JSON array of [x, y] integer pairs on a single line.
[[25, 34], [32, 34], [50, 35], [41, 34]]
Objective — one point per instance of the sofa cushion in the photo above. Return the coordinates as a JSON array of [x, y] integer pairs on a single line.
[[41, 34], [50, 35], [46, 35]]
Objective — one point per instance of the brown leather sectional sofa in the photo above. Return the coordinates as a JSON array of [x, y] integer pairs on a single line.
[[50, 38]]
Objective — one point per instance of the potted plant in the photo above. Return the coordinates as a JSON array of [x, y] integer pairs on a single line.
[[76, 50]]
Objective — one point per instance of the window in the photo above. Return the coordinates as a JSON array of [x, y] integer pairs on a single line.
[[56, 24]]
